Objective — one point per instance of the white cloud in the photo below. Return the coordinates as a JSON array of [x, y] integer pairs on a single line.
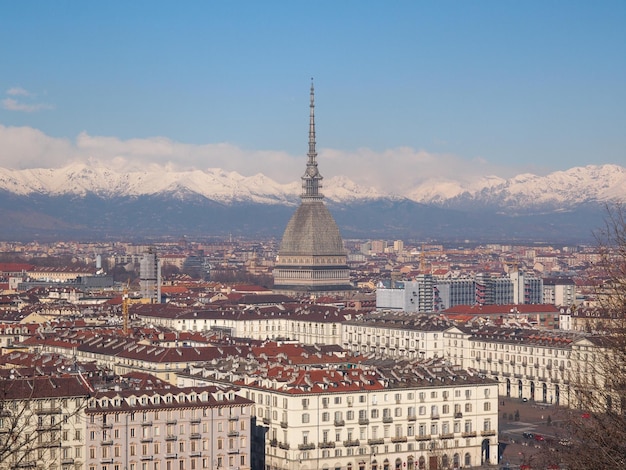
[[17, 91], [394, 170], [12, 104]]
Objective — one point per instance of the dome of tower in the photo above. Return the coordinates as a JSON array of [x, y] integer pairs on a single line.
[[312, 231]]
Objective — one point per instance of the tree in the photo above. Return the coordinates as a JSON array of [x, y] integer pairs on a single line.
[[38, 420], [594, 431]]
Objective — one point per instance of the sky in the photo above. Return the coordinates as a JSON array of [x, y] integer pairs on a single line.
[[405, 91]]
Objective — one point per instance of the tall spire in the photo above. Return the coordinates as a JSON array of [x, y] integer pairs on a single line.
[[311, 181]]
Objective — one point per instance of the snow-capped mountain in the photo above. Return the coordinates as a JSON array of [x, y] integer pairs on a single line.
[[93, 201], [558, 190]]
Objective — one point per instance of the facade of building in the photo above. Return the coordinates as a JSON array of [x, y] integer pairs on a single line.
[[312, 259], [168, 429], [428, 293], [405, 415], [559, 291], [150, 276], [42, 423]]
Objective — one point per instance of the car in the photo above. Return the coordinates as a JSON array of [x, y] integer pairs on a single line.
[[528, 435], [539, 437]]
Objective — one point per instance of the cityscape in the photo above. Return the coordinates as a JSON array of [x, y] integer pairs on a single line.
[[414, 260]]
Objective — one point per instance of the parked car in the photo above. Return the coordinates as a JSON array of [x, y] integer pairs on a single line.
[[539, 437], [528, 435]]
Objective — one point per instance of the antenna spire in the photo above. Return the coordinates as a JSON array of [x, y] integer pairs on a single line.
[[311, 181]]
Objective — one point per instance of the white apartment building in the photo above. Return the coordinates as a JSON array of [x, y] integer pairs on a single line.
[[396, 334], [378, 415]]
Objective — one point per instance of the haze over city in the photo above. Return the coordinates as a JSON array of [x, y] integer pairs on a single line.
[[405, 92]]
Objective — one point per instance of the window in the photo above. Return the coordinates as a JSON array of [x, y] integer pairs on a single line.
[[487, 406], [468, 407], [305, 417], [305, 403]]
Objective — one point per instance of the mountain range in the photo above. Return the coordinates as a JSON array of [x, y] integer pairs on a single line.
[[92, 201]]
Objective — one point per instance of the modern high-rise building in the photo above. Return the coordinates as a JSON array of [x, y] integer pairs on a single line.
[[312, 259], [150, 276]]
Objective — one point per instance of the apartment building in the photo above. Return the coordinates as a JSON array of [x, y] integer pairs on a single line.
[[168, 429], [305, 323], [366, 414], [42, 423], [396, 335]]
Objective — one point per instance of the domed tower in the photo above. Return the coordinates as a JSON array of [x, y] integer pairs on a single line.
[[311, 258]]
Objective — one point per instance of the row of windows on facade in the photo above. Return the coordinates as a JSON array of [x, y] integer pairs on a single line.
[[178, 464], [169, 448], [397, 412], [168, 415], [386, 465], [170, 430], [397, 397], [422, 430]]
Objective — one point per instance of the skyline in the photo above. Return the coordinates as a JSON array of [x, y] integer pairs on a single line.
[[404, 92]]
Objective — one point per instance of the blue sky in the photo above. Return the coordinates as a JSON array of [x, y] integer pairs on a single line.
[[405, 90]]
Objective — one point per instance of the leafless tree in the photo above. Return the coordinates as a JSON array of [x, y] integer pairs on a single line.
[[38, 420], [594, 428]]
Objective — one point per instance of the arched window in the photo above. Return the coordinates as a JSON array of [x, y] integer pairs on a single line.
[[421, 463], [468, 460]]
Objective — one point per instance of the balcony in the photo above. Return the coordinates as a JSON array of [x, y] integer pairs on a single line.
[[351, 443], [506, 374], [233, 451], [458, 414], [412, 418], [447, 435], [375, 442], [283, 445], [340, 422], [146, 423], [171, 422], [67, 461], [561, 368], [536, 365], [233, 418], [387, 419], [422, 437], [488, 432], [195, 454], [197, 435], [500, 361], [266, 421], [434, 416], [488, 359], [107, 426], [146, 440], [106, 460], [469, 434], [308, 446], [517, 376], [283, 424], [232, 433], [364, 421], [398, 439], [171, 456], [530, 377], [326, 445], [48, 411], [549, 366], [108, 442], [273, 442], [171, 437], [195, 421], [147, 457]]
